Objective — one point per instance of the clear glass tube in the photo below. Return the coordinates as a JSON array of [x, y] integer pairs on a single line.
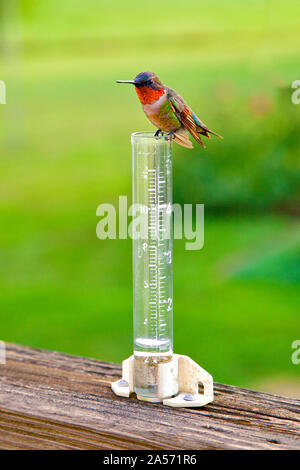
[[152, 259]]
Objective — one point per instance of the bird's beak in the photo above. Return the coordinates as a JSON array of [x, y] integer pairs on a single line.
[[126, 81]]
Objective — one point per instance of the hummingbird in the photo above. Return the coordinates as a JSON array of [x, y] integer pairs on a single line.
[[168, 111]]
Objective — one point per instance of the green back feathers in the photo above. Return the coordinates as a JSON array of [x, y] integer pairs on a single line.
[[166, 109]]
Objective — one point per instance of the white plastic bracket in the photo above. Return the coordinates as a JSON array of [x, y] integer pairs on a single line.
[[177, 382]]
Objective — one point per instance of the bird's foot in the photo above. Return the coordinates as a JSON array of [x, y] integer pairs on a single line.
[[159, 131], [170, 135]]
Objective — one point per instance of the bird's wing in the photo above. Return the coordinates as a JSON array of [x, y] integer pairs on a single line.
[[189, 119], [184, 114]]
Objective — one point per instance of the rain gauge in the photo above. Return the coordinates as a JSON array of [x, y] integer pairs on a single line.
[[154, 373]]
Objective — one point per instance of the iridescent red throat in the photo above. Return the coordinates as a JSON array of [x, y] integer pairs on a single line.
[[148, 95]]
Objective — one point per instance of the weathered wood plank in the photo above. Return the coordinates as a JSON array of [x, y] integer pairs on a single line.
[[50, 400]]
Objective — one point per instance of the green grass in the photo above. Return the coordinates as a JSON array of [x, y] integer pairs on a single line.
[[63, 289], [66, 149]]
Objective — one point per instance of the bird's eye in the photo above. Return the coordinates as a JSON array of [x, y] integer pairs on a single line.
[[150, 81]]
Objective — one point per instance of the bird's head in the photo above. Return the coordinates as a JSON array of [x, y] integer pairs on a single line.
[[148, 86]]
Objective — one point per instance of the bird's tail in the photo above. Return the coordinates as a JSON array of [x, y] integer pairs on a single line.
[[205, 131], [182, 138]]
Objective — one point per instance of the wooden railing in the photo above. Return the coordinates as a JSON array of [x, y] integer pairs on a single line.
[[50, 400]]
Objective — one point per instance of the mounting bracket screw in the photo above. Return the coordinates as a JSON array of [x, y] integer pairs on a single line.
[[123, 383], [189, 397]]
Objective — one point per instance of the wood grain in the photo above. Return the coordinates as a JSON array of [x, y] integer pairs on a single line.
[[50, 400]]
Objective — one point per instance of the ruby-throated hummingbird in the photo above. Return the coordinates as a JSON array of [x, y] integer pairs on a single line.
[[168, 111]]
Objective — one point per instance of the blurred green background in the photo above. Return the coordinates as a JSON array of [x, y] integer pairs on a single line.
[[65, 149]]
